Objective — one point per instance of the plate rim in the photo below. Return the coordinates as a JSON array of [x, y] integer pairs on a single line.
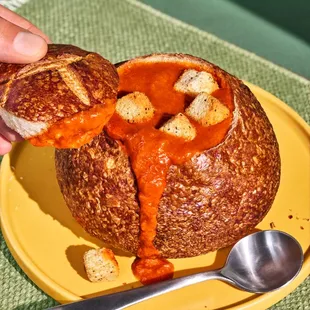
[[63, 295]]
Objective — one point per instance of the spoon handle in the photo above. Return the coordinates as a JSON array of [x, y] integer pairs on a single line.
[[127, 298]]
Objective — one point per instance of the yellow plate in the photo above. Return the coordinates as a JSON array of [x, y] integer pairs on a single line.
[[48, 244]]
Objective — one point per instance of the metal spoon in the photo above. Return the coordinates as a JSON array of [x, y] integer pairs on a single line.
[[259, 263]]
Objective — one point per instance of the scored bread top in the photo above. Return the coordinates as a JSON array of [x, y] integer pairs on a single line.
[[64, 82]]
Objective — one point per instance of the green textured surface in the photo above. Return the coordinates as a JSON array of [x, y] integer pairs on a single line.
[[277, 30], [119, 29]]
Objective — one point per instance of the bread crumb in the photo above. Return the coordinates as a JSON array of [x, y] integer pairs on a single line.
[[272, 225], [101, 265]]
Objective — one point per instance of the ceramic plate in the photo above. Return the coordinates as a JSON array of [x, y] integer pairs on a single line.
[[48, 244]]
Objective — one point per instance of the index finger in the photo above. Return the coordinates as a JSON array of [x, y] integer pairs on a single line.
[[21, 22]]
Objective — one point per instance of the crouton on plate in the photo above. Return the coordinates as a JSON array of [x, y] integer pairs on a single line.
[[101, 265]]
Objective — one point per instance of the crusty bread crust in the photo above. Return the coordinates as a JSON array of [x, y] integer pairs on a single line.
[[211, 201], [66, 81]]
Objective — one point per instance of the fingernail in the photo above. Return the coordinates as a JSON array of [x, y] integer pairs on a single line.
[[28, 44]]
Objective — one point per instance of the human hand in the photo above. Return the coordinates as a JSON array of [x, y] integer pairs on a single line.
[[20, 42]]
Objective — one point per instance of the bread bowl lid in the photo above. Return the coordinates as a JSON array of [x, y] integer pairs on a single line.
[[65, 81]]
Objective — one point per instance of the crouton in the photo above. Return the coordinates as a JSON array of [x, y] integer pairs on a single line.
[[101, 265], [193, 82], [135, 108], [207, 110], [180, 126]]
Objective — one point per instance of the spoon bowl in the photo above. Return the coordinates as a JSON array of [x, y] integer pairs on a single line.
[[259, 263], [264, 261]]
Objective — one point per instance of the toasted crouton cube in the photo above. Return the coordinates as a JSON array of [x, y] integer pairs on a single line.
[[207, 110], [193, 82], [180, 126], [101, 265], [135, 108]]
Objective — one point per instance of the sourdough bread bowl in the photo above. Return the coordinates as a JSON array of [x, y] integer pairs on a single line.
[[62, 100], [211, 197]]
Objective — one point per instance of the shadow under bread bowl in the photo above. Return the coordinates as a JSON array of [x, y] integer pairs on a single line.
[[157, 195], [62, 100]]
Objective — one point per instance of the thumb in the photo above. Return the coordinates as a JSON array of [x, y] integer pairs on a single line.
[[18, 45]]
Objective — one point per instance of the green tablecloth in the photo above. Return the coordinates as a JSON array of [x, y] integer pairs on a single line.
[[120, 29], [277, 30]]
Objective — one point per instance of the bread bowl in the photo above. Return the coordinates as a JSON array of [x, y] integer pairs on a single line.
[[63, 100], [158, 194]]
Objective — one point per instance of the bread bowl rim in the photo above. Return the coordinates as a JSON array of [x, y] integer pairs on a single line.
[[181, 58]]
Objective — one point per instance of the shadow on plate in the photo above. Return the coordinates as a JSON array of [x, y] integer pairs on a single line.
[[34, 169], [77, 251], [219, 262], [137, 284], [122, 288]]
